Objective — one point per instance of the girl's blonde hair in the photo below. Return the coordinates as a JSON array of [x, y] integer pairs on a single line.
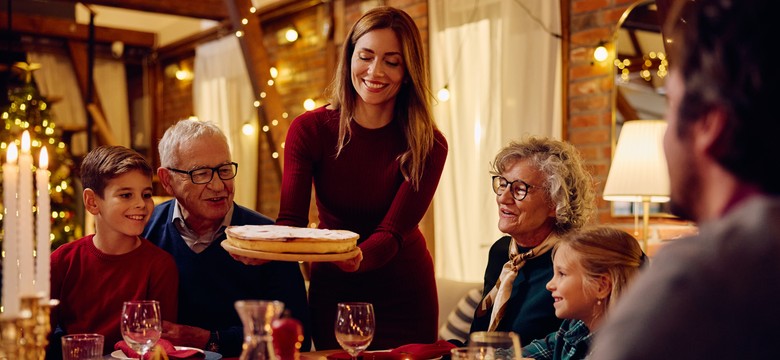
[[604, 251]]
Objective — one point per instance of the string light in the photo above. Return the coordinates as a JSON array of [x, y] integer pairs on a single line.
[[444, 94], [248, 129], [309, 104]]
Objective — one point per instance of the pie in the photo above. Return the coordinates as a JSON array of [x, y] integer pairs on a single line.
[[288, 239]]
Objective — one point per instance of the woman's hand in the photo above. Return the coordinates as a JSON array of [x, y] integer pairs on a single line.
[[350, 265], [248, 260]]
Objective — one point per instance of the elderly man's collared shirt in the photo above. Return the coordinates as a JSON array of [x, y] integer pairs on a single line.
[[196, 242]]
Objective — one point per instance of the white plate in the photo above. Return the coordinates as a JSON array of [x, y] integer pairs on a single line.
[[118, 354]]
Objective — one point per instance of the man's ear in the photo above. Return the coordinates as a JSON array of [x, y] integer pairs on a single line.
[[90, 201], [164, 175], [708, 133]]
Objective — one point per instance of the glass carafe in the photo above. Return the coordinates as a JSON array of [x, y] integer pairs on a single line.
[[257, 316]]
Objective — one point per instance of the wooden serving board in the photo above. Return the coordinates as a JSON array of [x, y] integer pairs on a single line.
[[255, 254]]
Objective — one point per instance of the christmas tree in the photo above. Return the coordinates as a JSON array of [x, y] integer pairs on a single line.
[[26, 109]]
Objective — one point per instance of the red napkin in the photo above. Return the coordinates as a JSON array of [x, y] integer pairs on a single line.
[[166, 345], [404, 352]]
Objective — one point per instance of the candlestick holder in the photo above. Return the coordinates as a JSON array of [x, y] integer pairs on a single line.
[[34, 327], [9, 337]]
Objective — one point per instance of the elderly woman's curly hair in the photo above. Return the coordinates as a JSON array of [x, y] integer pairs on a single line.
[[567, 182]]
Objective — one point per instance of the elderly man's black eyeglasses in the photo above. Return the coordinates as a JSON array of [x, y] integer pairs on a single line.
[[204, 175], [519, 187]]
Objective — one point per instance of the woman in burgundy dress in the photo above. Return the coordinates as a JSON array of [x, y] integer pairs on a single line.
[[375, 157]]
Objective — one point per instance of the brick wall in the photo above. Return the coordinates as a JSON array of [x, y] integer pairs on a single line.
[[589, 123]]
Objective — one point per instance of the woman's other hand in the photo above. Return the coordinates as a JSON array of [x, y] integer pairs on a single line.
[[248, 260], [350, 265]]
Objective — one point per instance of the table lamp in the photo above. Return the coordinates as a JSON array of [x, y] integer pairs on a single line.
[[638, 172]]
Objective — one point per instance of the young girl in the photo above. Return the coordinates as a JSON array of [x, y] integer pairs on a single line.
[[591, 269]]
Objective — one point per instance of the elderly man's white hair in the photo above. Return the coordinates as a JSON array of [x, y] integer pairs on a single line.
[[185, 130]]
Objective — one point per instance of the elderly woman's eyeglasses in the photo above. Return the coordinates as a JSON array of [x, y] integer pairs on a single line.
[[519, 187], [204, 175]]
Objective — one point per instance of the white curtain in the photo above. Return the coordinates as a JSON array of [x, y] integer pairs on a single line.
[[111, 88], [56, 80], [503, 72], [223, 94]]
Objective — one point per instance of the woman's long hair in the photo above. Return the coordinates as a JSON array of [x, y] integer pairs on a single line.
[[412, 103]]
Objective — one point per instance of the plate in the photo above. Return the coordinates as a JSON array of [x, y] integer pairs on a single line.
[[256, 254], [118, 354]]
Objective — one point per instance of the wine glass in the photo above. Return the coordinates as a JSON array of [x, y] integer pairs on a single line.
[[355, 327], [141, 324], [496, 345]]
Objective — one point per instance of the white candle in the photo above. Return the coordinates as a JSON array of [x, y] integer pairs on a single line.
[[10, 225], [43, 227], [26, 267]]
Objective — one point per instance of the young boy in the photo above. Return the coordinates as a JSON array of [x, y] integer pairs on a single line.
[[94, 275]]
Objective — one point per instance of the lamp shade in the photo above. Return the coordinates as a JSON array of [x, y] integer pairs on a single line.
[[638, 172]]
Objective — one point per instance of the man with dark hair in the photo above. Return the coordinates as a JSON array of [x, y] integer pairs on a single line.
[[714, 296]]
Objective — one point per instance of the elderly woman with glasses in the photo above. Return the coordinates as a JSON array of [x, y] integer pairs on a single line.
[[543, 191]]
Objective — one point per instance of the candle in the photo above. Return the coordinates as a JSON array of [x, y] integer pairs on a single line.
[[43, 227], [10, 224], [26, 270]]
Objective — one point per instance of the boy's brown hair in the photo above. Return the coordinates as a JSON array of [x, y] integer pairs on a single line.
[[108, 162]]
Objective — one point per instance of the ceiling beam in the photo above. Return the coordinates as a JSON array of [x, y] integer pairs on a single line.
[[203, 9], [55, 27]]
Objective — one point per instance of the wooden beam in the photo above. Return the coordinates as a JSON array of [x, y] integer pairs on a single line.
[[257, 63], [203, 9], [55, 27]]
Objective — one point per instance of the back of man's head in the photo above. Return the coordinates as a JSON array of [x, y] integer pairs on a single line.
[[723, 51]]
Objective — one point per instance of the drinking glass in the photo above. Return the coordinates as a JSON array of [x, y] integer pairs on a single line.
[[82, 347], [141, 324], [496, 345], [355, 327]]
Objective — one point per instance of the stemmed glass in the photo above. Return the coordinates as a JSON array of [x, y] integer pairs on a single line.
[[355, 327], [141, 324]]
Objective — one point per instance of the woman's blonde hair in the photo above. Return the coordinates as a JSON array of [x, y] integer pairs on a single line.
[[412, 104], [568, 184], [604, 251]]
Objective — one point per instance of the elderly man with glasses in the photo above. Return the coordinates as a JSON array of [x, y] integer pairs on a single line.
[[196, 169], [542, 192]]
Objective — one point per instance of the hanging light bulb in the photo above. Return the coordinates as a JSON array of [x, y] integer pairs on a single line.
[[309, 104], [601, 53], [248, 129], [444, 94], [274, 72]]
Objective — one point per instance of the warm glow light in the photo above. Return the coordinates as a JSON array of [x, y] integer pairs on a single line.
[[244, 21], [309, 104], [239, 33], [270, 82], [274, 72], [274, 122], [291, 35], [275, 155], [443, 94], [253, 9], [248, 129], [43, 163], [12, 154], [257, 103], [601, 53], [182, 75], [266, 128], [26, 142]]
